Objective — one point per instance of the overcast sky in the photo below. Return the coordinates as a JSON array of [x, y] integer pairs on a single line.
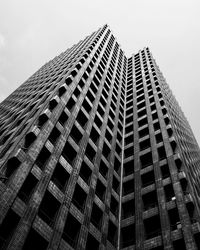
[[34, 31]]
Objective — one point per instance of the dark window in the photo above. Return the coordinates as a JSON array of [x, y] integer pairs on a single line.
[[96, 216], [129, 168], [94, 135], [90, 152], [11, 166], [145, 144], [128, 187], [98, 121], [179, 244], [42, 120], [70, 104], [63, 118], [76, 134], [7, 228], [115, 184], [69, 153], [54, 135], [150, 200], [87, 106], [169, 192], [128, 236], [35, 241], [128, 152], [159, 138], [60, 177], [129, 139], [148, 178], [114, 206], [29, 139], [79, 197], [103, 169], [152, 227], [112, 233], [81, 118], [52, 104], [92, 243], [165, 171], [71, 230], [156, 126], [106, 150], [143, 122], [100, 190], [128, 208], [85, 172], [146, 160], [27, 187], [48, 208], [42, 158], [143, 132], [161, 153]]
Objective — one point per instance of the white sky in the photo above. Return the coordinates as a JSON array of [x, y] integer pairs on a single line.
[[34, 31]]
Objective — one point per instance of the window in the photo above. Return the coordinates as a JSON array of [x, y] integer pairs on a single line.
[[161, 153], [146, 160], [82, 119], [129, 139], [90, 152], [128, 236], [11, 166], [128, 208], [145, 144], [143, 132], [43, 118], [76, 134], [159, 138], [128, 187], [60, 177], [96, 216], [7, 227], [54, 135], [92, 243], [85, 172], [152, 227], [106, 150], [29, 139], [94, 135], [35, 241], [70, 104], [43, 157], [52, 104], [114, 205], [69, 153], [27, 187], [148, 178], [115, 185], [48, 208], [71, 230], [112, 233], [79, 198], [142, 122], [100, 190], [128, 152], [63, 118], [103, 169]]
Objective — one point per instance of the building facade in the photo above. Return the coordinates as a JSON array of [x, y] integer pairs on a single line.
[[95, 153]]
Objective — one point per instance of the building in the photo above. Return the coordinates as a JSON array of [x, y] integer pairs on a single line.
[[95, 153]]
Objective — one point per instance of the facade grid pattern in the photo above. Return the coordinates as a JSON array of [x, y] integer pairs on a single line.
[[95, 153]]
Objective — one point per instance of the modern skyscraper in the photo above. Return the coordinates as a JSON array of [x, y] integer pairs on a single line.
[[96, 154]]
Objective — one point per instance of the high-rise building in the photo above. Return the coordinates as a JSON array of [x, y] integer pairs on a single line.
[[95, 153]]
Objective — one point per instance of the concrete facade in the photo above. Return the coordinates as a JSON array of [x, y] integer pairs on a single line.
[[95, 153]]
